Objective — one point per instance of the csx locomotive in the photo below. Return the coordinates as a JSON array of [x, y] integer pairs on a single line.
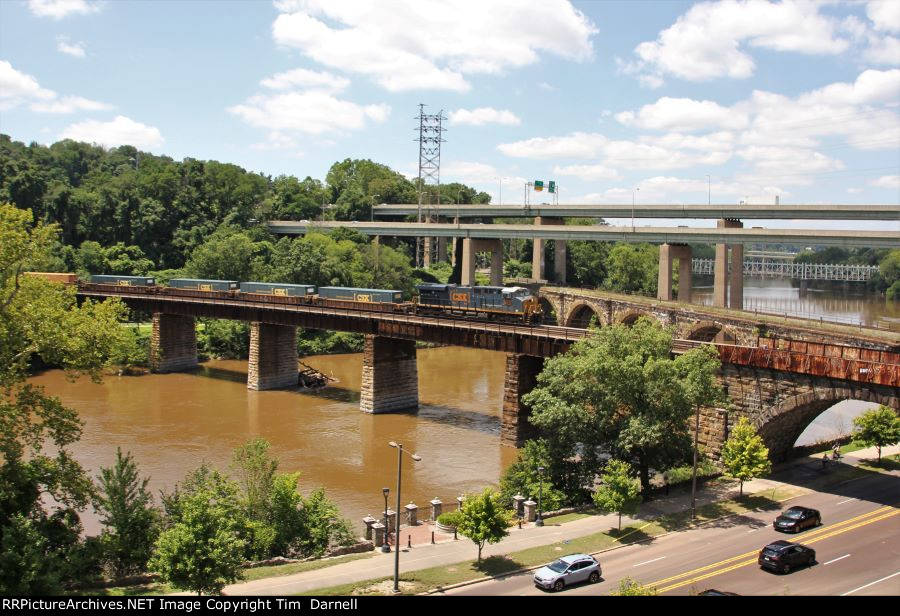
[[506, 304]]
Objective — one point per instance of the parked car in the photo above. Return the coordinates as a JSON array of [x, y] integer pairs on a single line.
[[568, 570], [797, 518], [784, 556]]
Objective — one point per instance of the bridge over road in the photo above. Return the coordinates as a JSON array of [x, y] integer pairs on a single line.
[[781, 385]]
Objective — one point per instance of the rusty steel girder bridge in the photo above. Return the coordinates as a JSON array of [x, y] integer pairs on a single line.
[[856, 364]]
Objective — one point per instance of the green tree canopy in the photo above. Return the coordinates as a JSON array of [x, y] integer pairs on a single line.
[[619, 391], [879, 427], [744, 455], [126, 510], [483, 519], [619, 492], [42, 319]]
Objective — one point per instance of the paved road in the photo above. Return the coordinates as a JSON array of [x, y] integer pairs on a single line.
[[857, 552]]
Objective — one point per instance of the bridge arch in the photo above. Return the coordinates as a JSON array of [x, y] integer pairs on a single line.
[[710, 331], [630, 317], [550, 311], [781, 425], [580, 315]]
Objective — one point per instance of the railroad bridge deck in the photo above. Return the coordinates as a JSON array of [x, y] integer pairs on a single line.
[[780, 384]]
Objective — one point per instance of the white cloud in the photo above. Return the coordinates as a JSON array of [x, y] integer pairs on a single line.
[[885, 15], [303, 78], [312, 112], [57, 9], [469, 172], [708, 41], [855, 191], [576, 145], [119, 131], [70, 104], [887, 181], [883, 50], [73, 49], [484, 115], [666, 152], [406, 45], [684, 114], [17, 87], [589, 173]]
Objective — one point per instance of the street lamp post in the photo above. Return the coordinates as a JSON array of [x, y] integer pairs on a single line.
[[399, 447], [632, 207], [457, 206], [384, 545], [540, 520]]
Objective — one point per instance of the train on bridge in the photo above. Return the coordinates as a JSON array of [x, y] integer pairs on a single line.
[[491, 303]]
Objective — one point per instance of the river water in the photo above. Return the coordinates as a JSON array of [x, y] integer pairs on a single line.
[[172, 423]]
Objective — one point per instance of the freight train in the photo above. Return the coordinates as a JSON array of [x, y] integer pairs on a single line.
[[503, 304]]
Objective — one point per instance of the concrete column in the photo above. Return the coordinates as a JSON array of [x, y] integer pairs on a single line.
[[390, 378], [273, 356], [412, 515], [369, 521], [436, 508], [537, 253], [497, 264], [559, 261], [720, 288], [468, 263], [426, 255], [530, 508], [664, 279], [736, 299], [521, 377], [173, 344], [685, 271], [442, 250]]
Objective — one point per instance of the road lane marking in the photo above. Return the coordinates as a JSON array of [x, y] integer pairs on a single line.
[[647, 562], [834, 560], [847, 501], [824, 533], [850, 592]]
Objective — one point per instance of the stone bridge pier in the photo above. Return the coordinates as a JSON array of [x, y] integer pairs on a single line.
[[521, 377], [173, 343], [390, 376], [273, 356]]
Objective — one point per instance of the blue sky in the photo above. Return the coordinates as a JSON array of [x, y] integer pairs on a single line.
[[795, 99]]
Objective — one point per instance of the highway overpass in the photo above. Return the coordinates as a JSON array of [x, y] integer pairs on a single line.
[[738, 212], [888, 238]]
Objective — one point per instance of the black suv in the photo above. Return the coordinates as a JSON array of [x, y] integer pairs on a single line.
[[783, 556], [796, 519]]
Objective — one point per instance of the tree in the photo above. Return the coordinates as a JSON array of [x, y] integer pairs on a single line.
[[203, 550], [483, 519], [522, 477], [619, 492], [632, 269], [618, 391], [632, 588], [878, 427], [40, 318], [126, 510], [255, 470], [744, 456]]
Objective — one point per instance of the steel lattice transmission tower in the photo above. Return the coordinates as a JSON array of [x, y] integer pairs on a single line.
[[430, 139]]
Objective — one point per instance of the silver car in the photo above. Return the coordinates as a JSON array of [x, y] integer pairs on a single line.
[[568, 570]]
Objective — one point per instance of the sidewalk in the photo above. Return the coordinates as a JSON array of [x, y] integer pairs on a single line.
[[423, 555]]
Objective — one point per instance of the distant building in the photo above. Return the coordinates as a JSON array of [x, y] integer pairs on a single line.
[[761, 200]]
